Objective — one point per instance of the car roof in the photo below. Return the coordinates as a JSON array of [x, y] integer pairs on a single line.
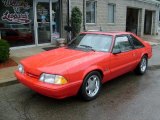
[[114, 33]]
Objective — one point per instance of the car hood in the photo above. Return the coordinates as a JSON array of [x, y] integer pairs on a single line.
[[57, 61]]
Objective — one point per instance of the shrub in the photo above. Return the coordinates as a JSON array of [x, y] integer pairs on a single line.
[[4, 50], [76, 20]]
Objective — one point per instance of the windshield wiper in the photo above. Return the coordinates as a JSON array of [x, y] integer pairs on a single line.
[[87, 46]]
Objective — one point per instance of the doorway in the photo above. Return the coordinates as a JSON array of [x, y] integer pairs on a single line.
[[132, 20], [48, 20], [43, 22], [148, 22]]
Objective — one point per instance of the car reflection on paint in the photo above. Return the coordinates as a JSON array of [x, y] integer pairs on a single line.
[[84, 64], [16, 33]]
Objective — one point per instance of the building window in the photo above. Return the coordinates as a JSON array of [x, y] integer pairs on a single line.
[[111, 13], [16, 22], [91, 11]]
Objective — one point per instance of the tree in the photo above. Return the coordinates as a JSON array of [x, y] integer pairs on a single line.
[[76, 20], [4, 50]]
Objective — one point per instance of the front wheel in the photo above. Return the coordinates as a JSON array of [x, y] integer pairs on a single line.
[[142, 66], [91, 86]]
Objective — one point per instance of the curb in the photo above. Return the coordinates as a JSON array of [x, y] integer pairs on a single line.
[[153, 43], [13, 81], [9, 82], [154, 67]]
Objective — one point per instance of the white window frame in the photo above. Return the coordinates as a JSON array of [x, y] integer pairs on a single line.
[[92, 1], [114, 13]]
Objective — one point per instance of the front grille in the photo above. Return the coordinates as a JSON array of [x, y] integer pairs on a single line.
[[32, 75]]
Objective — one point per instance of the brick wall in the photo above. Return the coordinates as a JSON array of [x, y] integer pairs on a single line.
[[64, 18], [120, 16]]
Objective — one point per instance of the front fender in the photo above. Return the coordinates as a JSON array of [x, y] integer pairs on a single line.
[[92, 68]]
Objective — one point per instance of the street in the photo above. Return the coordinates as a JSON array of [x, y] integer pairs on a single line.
[[58, 46], [129, 97]]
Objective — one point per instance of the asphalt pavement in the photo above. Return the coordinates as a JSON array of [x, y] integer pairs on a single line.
[[155, 60], [129, 97]]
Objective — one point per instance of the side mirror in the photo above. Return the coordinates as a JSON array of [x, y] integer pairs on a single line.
[[116, 51]]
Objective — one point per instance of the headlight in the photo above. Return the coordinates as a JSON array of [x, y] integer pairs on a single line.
[[53, 79], [20, 68]]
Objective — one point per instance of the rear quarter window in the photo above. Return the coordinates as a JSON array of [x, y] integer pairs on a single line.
[[137, 44]]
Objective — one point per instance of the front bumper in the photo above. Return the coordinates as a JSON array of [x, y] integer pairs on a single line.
[[50, 90]]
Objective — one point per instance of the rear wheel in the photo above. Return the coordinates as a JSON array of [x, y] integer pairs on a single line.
[[142, 66], [91, 86]]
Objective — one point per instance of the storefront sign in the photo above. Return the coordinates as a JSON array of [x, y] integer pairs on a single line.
[[16, 16], [22, 18], [16, 4]]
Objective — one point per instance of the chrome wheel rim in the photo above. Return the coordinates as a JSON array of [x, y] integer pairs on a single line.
[[92, 85], [143, 65]]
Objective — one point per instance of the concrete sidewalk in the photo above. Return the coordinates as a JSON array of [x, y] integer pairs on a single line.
[[7, 74], [155, 60]]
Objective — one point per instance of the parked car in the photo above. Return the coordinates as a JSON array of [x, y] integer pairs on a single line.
[[16, 33], [82, 66]]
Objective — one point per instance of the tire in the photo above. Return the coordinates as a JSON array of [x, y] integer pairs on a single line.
[[142, 66], [91, 86]]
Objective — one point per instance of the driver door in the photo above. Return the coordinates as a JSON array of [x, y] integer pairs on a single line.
[[125, 60]]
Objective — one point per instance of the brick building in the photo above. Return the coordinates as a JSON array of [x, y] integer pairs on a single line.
[[26, 23], [138, 16]]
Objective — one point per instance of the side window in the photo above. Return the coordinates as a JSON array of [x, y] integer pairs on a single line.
[[136, 43], [122, 43]]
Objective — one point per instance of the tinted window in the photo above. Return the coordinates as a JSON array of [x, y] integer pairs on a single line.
[[136, 43], [122, 43]]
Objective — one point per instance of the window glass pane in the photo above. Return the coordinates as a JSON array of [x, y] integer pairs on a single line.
[[90, 12], [16, 22], [43, 19], [136, 43], [94, 41], [111, 13], [123, 43], [55, 19]]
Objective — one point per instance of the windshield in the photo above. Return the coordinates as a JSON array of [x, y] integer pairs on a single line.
[[93, 42]]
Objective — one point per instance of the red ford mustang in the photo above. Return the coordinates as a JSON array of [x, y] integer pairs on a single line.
[[84, 64]]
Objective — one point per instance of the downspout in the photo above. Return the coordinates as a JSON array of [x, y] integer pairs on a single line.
[[69, 36], [68, 11], [84, 18]]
